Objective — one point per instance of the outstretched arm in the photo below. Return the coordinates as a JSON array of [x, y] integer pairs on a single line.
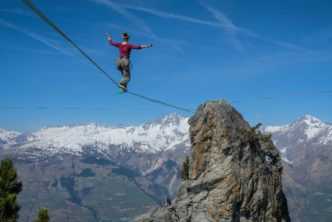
[[116, 44]]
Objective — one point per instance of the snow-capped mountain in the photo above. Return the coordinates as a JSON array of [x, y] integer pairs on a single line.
[[306, 145], [80, 162], [305, 129], [308, 131], [160, 135]]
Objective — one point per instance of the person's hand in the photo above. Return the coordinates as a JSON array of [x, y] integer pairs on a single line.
[[108, 35], [146, 46]]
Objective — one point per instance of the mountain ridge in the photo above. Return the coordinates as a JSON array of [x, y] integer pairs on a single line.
[[312, 127], [160, 135], [165, 133]]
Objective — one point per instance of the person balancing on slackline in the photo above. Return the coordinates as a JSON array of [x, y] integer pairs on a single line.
[[123, 62]]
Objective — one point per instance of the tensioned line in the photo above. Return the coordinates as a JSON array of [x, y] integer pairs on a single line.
[[49, 22]]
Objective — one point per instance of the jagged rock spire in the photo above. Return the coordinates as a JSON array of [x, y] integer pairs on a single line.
[[234, 175]]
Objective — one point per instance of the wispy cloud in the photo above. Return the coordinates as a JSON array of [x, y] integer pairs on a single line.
[[44, 52], [160, 13], [125, 13], [145, 30], [226, 24], [223, 22], [230, 28], [323, 36], [46, 41], [282, 58], [17, 11], [259, 66]]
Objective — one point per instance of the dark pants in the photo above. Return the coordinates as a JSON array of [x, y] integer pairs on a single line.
[[123, 65]]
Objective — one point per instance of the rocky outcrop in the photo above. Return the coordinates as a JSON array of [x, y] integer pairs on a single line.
[[234, 174]]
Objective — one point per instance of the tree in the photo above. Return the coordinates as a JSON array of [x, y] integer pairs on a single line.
[[42, 215], [184, 174], [9, 189]]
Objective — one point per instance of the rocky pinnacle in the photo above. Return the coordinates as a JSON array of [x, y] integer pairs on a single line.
[[234, 174]]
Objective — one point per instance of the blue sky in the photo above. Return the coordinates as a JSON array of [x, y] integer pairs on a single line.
[[272, 59]]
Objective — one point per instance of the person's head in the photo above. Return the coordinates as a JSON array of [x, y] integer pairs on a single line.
[[125, 36]]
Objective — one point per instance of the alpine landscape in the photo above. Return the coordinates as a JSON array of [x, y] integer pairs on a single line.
[[116, 173]]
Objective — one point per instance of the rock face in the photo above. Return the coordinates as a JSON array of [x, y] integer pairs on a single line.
[[234, 174]]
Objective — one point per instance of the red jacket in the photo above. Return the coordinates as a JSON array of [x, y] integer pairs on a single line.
[[124, 49]]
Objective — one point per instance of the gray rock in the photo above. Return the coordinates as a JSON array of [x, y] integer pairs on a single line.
[[235, 173]]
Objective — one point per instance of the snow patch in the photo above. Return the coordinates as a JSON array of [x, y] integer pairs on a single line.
[[287, 160], [8, 137], [312, 131], [272, 129], [326, 138], [283, 150], [158, 164]]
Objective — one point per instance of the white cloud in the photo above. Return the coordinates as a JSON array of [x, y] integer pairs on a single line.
[[159, 13], [224, 23], [228, 25], [121, 10], [145, 29], [40, 38]]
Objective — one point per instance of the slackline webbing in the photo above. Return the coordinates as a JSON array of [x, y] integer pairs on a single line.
[[49, 22]]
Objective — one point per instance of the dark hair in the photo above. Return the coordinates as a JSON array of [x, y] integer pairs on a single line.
[[125, 35]]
